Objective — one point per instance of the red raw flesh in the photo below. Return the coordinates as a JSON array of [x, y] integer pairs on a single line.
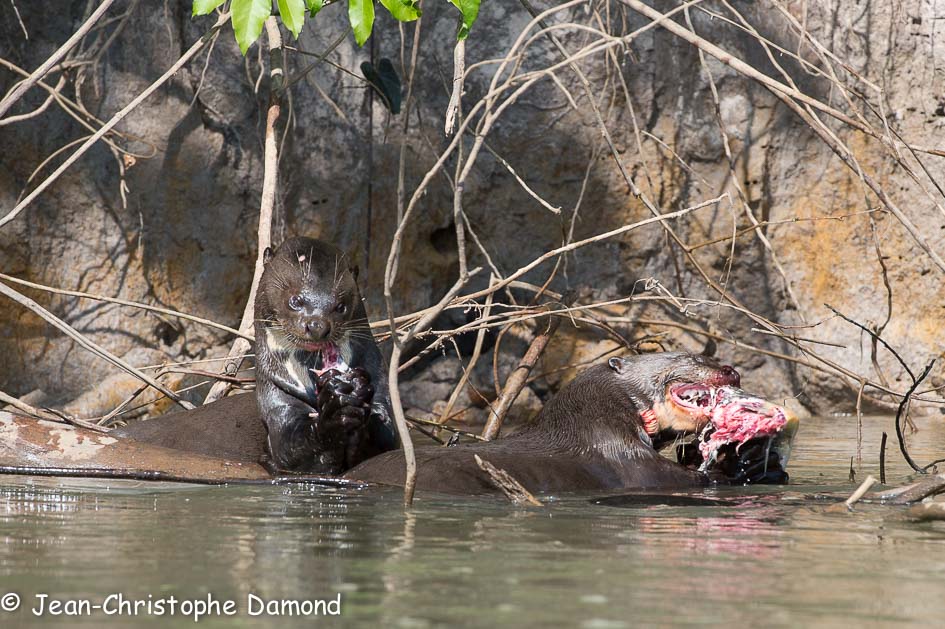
[[331, 358], [737, 418]]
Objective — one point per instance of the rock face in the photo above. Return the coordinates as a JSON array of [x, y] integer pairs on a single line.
[[183, 235]]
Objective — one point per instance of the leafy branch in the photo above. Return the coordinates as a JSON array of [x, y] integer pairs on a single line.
[[250, 15]]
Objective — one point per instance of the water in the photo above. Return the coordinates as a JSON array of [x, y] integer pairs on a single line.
[[755, 556]]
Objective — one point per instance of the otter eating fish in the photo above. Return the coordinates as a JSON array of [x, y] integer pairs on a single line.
[[603, 429]]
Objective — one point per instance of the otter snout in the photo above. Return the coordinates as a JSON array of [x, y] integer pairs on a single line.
[[727, 376], [317, 328]]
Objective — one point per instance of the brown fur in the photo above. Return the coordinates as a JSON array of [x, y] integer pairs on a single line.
[[227, 429], [588, 437]]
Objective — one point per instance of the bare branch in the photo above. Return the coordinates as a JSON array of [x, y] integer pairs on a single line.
[[506, 483], [10, 99], [79, 338], [264, 230], [517, 379], [180, 63]]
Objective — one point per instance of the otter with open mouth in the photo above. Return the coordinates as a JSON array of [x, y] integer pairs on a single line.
[[603, 431], [321, 385]]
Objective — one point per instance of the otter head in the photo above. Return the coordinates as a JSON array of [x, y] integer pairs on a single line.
[[655, 398], [308, 296], [678, 394], [672, 391]]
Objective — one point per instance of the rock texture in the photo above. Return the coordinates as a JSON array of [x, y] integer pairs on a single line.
[[185, 236]]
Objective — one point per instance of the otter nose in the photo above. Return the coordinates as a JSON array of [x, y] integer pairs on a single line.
[[728, 376], [317, 328]]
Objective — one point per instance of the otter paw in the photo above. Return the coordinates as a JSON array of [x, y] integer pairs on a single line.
[[343, 410], [349, 388]]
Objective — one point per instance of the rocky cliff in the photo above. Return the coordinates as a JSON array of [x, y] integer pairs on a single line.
[[685, 127]]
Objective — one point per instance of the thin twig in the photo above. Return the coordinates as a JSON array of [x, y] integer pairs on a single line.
[[21, 88], [403, 431], [125, 302], [467, 371], [267, 201], [180, 63], [79, 338]]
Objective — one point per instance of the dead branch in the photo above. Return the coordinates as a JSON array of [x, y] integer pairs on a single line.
[[459, 70], [791, 97], [517, 379], [901, 411], [403, 431], [180, 63], [79, 338], [882, 459], [267, 201], [477, 350], [48, 414], [125, 302], [439, 425], [41, 71], [915, 492], [28, 409], [506, 483], [860, 492]]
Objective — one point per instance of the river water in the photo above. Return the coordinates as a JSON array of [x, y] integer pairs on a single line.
[[751, 556]]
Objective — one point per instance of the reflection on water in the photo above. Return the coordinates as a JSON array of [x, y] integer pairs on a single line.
[[750, 555]]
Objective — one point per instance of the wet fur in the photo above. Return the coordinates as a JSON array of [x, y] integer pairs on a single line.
[[588, 437], [284, 385], [226, 429]]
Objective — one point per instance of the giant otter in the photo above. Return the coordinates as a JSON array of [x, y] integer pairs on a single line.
[[322, 404], [309, 321], [600, 432], [229, 428]]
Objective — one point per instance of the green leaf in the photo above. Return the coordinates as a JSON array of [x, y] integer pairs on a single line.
[[314, 6], [361, 16], [203, 7], [402, 10], [470, 11], [293, 15], [248, 18]]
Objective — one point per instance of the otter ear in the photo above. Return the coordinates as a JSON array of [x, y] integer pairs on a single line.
[[267, 255], [617, 364], [355, 271]]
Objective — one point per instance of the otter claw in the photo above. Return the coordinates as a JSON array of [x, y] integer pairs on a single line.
[[343, 406]]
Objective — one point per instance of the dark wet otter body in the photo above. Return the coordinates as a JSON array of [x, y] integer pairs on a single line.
[[310, 319], [597, 433], [538, 465], [600, 432], [228, 429]]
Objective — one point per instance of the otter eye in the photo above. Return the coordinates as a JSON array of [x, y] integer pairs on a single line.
[[341, 308], [296, 302]]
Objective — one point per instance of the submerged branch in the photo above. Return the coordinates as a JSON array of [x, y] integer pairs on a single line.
[[506, 483]]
